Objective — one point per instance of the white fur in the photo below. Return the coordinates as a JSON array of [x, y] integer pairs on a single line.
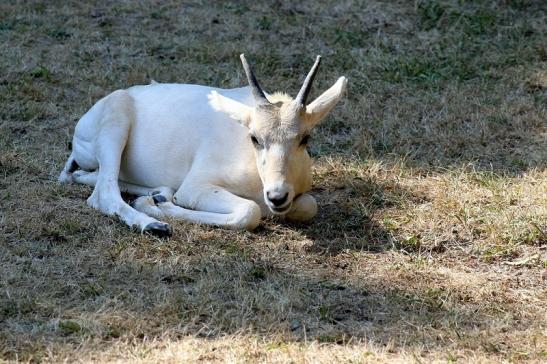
[[184, 142]]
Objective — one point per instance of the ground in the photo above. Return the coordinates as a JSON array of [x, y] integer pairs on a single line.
[[431, 238]]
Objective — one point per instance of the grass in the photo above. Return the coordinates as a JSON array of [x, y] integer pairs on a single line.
[[430, 242]]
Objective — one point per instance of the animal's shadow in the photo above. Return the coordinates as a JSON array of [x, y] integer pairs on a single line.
[[348, 216]]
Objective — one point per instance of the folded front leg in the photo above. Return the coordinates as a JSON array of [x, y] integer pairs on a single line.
[[304, 208], [206, 204]]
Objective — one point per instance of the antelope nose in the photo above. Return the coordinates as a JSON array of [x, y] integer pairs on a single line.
[[277, 199]]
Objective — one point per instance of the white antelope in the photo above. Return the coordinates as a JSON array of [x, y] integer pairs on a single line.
[[224, 157]]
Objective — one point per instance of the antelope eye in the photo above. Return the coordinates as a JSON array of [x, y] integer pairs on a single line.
[[255, 142], [305, 140]]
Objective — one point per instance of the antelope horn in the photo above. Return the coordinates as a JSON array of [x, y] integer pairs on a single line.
[[258, 93], [306, 87]]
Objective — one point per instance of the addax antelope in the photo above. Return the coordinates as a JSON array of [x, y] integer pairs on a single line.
[[225, 157]]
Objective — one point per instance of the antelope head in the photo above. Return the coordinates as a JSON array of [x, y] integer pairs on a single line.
[[279, 130]]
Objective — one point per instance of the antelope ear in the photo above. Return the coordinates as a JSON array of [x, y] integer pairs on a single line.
[[320, 107], [234, 109]]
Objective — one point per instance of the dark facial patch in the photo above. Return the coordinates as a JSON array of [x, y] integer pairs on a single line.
[[256, 143]]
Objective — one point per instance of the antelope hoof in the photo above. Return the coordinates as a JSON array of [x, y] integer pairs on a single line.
[[158, 229], [159, 198]]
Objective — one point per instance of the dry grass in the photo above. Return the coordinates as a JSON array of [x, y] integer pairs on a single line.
[[430, 243]]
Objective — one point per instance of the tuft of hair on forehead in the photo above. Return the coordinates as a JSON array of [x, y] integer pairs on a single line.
[[280, 97], [279, 122], [285, 108]]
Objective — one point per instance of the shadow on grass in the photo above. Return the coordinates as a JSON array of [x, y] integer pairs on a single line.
[[347, 216], [222, 292], [111, 285], [504, 138]]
